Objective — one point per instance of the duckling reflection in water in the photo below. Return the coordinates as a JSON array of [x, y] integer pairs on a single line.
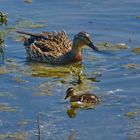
[[72, 111], [83, 100]]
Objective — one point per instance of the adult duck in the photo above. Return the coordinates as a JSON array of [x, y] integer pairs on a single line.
[[55, 47]]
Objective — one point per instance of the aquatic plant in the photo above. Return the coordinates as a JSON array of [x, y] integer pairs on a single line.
[[13, 136], [38, 127], [78, 74], [22, 23], [138, 17], [28, 1], [131, 114], [7, 108], [111, 47], [2, 44], [3, 19], [136, 50], [3, 70], [130, 66]]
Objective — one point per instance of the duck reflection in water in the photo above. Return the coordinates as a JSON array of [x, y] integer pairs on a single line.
[[82, 100]]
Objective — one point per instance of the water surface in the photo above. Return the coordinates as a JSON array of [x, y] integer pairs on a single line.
[[29, 90]]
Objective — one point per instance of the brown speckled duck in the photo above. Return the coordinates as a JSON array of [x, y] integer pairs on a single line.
[[55, 47], [81, 97]]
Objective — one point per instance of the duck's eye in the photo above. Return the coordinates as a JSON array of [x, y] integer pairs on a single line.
[[86, 40]]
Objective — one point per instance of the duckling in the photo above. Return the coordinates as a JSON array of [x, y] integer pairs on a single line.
[[55, 47], [81, 97]]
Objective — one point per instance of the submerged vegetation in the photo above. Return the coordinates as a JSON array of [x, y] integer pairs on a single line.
[[111, 47], [3, 18], [2, 42], [77, 74], [6, 108], [22, 23], [136, 50], [14, 136], [28, 1], [3, 70], [3, 22]]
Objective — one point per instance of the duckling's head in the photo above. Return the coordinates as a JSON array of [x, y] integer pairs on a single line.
[[83, 39], [70, 92]]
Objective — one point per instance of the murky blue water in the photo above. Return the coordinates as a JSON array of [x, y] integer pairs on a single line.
[[27, 91]]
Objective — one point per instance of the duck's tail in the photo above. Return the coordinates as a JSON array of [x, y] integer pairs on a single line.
[[28, 33], [32, 34]]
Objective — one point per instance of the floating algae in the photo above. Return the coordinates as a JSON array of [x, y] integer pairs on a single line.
[[19, 79], [21, 24], [44, 71], [6, 108], [138, 17], [24, 23], [3, 70], [5, 94], [130, 114], [130, 66], [28, 1], [14, 136], [110, 46], [136, 50]]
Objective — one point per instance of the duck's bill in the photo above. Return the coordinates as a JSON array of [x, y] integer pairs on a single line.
[[91, 45], [66, 97]]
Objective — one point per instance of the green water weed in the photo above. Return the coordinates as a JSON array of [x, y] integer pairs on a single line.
[[3, 19]]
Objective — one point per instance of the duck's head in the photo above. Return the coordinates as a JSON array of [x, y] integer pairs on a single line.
[[70, 92], [83, 39]]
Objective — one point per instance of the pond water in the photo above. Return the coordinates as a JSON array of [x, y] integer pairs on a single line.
[[30, 90]]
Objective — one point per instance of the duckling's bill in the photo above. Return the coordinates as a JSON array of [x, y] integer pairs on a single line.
[[67, 95]]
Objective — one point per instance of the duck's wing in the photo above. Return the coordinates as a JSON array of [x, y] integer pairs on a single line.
[[58, 41], [54, 43]]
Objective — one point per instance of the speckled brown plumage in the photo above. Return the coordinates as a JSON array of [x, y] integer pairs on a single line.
[[83, 97], [55, 47]]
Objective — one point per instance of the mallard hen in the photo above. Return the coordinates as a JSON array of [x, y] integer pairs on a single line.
[[55, 47]]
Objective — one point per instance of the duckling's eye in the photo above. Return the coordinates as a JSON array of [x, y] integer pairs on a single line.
[[69, 90]]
